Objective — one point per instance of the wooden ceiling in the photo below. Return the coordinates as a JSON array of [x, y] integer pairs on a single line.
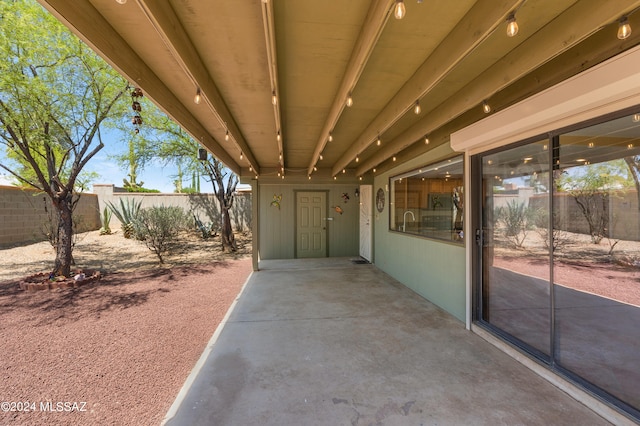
[[448, 55]]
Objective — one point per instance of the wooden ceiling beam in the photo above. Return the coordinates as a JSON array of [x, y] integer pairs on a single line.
[[170, 30], [90, 26], [473, 29], [374, 24], [566, 31]]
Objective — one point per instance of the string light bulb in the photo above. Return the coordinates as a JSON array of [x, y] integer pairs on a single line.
[[512, 25], [400, 10], [357, 158], [349, 100], [226, 136], [330, 137], [241, 156], [321, 157], [278, 137], [121, 1], [378, 141], [274, 98], [198, 97], [624, 28], [486, 107], [394, 158], [636, 117], [416, 108], [426, 140]]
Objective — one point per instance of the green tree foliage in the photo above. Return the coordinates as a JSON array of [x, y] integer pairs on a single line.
[[633, 163], [164, 140], [55, 94], [591, 186]]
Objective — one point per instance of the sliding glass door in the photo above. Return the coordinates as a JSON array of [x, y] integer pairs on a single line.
[[596, 266], [559, 253], [515, 256]]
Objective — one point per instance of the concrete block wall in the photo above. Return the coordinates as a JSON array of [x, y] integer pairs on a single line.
[[204, 206], [24, 215]]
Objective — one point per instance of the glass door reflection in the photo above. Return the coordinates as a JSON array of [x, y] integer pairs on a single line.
[[515, 249]]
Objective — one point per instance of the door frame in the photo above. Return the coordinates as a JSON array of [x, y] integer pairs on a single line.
[[370, 225], [295, 220]]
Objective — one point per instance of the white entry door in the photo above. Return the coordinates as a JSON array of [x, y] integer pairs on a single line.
[[311, 228], [365, 221]]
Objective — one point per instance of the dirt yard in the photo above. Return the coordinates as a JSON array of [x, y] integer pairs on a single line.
[[117, 351], [579, 264]]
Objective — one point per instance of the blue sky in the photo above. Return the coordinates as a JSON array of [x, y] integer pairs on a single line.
[[155, 176]]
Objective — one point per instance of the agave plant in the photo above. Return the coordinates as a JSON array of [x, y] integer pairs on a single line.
[[126, 214], [106, 218]]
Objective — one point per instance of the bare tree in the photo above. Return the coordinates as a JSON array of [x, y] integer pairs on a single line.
[[225, 195]]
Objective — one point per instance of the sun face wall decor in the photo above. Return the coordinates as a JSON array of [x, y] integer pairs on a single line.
[[380, 200]]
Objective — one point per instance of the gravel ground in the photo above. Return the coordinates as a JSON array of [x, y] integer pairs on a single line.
[[118, 351], [580, 265]]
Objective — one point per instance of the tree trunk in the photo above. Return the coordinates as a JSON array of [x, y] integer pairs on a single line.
[[226, 234], [634, 167], [64, 248]]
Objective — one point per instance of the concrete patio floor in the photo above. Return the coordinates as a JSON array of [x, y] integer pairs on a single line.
[[329, 342]]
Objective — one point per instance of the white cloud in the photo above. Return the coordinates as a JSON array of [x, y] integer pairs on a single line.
[[6, 180]]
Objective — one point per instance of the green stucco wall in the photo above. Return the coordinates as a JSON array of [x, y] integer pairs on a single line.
[[432, 268], [277, 226]]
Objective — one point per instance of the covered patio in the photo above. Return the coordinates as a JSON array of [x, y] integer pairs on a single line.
[[333, 342], [322, 106]]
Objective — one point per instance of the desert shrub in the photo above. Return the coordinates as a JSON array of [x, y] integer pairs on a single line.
[[159, 226], [541, 220], [517, 220]]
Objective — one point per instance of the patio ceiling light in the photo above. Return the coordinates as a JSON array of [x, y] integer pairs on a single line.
[[512, 25], [624, 28], [400, 10]]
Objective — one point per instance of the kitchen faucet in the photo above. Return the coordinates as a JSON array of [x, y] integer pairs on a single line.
[[404, 220]]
